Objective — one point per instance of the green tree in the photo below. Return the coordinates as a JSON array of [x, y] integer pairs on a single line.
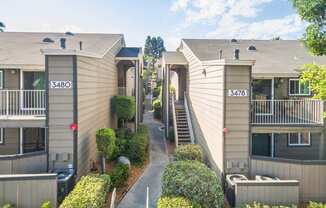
[[2, 26], [313, 12], [148, 46]]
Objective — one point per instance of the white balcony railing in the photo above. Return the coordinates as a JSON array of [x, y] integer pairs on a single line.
[[287, 112], [19, 103]]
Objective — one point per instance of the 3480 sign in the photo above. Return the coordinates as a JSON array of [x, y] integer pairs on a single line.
[[238, 93], [60, 84]]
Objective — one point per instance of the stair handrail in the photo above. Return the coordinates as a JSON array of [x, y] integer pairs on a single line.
[[192, 137], [174, 122]]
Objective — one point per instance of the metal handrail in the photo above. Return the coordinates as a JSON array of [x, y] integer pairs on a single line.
[[174, 122], [192, 137]]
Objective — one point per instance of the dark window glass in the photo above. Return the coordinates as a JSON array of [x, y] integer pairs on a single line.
[[261, 144], [33, 140], [34, 80]]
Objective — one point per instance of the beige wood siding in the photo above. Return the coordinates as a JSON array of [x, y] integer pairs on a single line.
[[60, 68], [10, 144], [97, 84], [311, 176], [206, 105], [237, 119]]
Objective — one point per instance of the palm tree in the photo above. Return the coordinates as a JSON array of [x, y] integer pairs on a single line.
[[2, 26]]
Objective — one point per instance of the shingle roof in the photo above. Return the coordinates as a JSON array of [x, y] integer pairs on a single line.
[[172, 57], [130, 52], [23, 48], [283, 57]]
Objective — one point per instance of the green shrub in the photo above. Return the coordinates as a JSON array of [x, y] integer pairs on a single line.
[[90, 191], [8, 205], [260, 205], [157, 109], [106, 142], [316, 205], [175, 202], [107, 180], [119, 175], [189, 152], [193, 180], [157, 91], [124, 107], [138, 145], [46, 204]]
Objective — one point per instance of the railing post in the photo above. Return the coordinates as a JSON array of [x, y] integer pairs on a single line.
[[7, 103]]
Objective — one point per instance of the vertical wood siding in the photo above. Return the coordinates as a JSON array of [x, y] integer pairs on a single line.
[[206, 104], [311, 176], [97, 84], [10, 144]]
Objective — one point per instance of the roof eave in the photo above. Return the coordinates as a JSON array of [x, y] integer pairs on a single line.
[[232, 62]]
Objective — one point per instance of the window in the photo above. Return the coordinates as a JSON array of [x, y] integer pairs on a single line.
[[1, 79], [1, 136], [298, 88], [34, 80], [33, 140], [299, 139]]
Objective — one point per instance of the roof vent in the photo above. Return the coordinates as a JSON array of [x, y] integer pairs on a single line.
[[252, 48], [234, 40], [48, 40], [63, 43], [69, 33]]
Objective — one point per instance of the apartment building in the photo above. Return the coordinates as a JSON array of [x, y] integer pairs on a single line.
[[55, 92], [245, 106]]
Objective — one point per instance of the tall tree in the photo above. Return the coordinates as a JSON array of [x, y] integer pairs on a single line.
[[313, 12], [148, 46], [160, 46], [2, 26]]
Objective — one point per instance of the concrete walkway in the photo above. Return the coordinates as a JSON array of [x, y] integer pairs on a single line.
[[136, 197]]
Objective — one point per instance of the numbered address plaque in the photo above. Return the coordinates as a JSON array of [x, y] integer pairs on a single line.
[[238, 93], [60, 84]]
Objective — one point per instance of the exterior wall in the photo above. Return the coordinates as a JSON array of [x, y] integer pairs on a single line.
[[10, 144], [130, 83], [11, 81], [23, 164], [237, 119], [313, 152], [60, 112], [28, 191], [206, 97], [97, 84], [311, 176]]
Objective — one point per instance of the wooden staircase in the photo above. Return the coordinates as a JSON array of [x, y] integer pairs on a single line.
[[182, 125]]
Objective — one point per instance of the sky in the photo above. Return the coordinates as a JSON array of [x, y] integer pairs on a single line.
[[170, 19]]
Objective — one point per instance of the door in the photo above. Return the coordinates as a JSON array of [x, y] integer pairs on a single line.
[[261, 145], [263, 95]]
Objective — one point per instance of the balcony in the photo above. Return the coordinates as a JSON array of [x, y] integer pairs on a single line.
[[287, 112], [22, 104]]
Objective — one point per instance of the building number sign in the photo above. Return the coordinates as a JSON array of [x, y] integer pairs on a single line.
[[60, 84], [238, 93]]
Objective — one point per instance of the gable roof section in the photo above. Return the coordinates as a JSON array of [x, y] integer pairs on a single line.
[[172, 57], [24, 49], [272, 57], [129, 53]]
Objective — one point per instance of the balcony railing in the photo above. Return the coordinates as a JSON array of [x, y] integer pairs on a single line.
[[22, 103], [287, 112]]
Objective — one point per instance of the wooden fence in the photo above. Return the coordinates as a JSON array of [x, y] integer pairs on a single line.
[[267, 192], [22, 164], [310, 174], [28, 190]]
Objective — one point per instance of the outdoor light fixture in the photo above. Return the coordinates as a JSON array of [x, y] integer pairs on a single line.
[[204, 72], [13, 71]]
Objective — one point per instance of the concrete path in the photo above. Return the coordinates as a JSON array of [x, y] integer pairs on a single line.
[[136, 197]]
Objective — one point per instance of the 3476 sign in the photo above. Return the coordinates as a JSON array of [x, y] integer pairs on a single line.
[[60, 84], [238, 93]]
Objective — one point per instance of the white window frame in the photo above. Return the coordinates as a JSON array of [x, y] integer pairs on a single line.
[[298, 94], [1, 79], [272, 92], [1, 136], [300, 140]]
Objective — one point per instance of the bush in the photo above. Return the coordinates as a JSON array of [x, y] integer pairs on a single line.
[[107, 180], [119, 175], [124, 107], [193, 180], [157, 109], [189, 152], [90, 191], [316, 205], [105, 140], [175, 202], [137, 145], [157, 91], [8, 206], [259, 205]]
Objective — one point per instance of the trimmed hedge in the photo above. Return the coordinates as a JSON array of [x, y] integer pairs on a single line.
[[260, 205], [175, 202], [316, 205], [138, 145], [119, 176], [105, 140], [193, 180], [8, 206], [89, 192], [189, 152], [124, 107], [157, 109]]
